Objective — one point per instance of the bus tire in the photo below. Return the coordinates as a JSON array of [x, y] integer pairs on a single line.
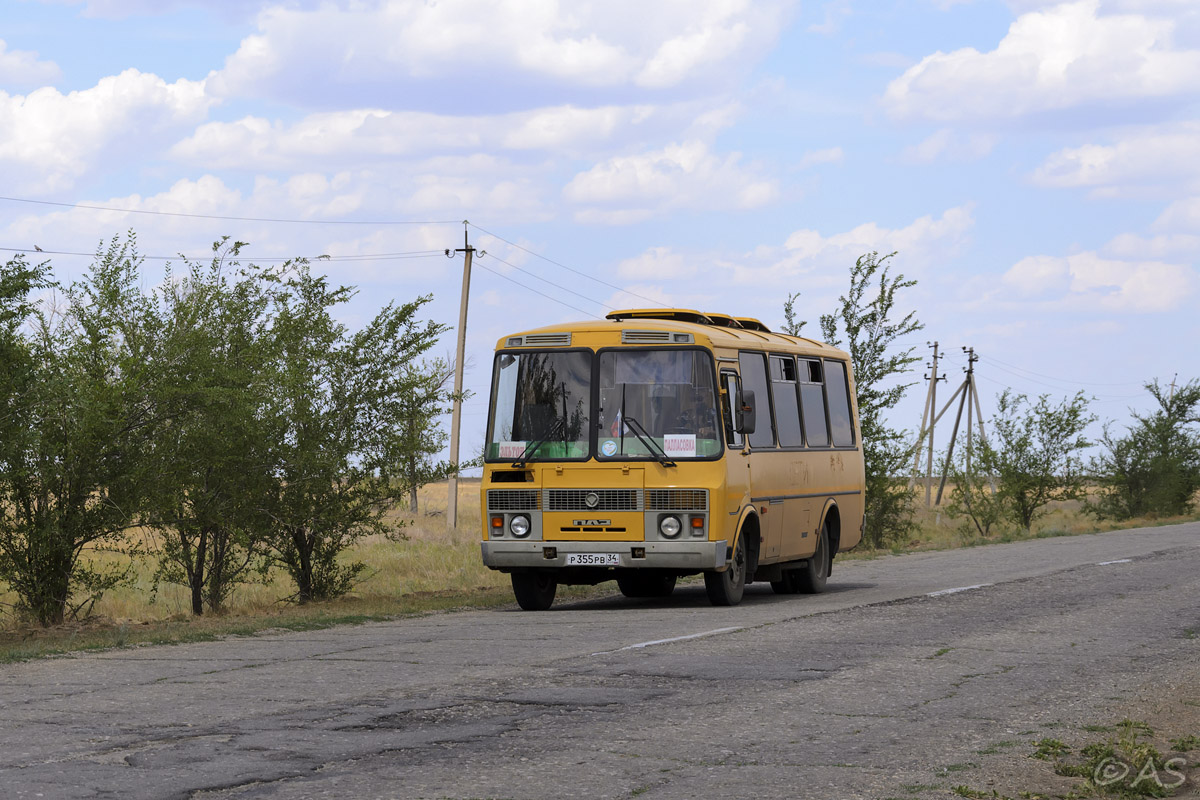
[[726, 588], [649, 585], [534, 590], [811, 579]]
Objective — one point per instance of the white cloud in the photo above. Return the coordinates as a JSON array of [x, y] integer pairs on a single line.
[[946, 145], [122, 9], [1152, 155], [834, 13], [1059, 58], [923, 246], [48, 139], [363, 136], [1087, 281], [1181, 215], [21, 69], [657, 263], [304, 196], [626, 189], [477, 45], [1131, 246], [830, 155], [915, 240]]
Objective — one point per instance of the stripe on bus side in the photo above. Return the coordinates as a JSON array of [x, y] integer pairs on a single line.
[[804, 496]]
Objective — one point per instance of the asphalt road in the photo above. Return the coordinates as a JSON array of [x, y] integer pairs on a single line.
[[911, 675]]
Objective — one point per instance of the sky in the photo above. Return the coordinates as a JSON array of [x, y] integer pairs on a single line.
[[1035, 166]]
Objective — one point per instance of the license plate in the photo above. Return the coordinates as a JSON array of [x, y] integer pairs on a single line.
[[593, 559]]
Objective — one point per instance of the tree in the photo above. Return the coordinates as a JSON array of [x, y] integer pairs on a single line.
[[423, 438], [973, 497], [209, 449], [338, 414], [791, 325], [1036, 453], [1155, 468], [865, 322], [75, 407]]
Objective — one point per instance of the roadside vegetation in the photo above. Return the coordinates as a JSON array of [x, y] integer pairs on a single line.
[[218, 455]]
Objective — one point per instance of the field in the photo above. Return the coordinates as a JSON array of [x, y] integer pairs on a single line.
[[435, 569]]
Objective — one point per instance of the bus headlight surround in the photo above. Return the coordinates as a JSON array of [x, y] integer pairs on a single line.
[[670, 526], [519, 526]]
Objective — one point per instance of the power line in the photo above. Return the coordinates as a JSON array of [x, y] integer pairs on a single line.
[[564, 266], [360, 257], [1060, 388], [535, 291], [552, 283], [89, 207], [1104, 398], [1061, 380]]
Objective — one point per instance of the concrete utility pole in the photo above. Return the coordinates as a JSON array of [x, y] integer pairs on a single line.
[[967, 395], [970, 399], [930, 406], [459, 360]]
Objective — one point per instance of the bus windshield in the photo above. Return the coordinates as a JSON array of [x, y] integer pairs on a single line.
[[541, 404], [666, 395]]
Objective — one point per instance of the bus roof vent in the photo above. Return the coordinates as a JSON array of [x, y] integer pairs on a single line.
[[688, 315], [751, 324], [675, 314], [539, 340], [645, 337]]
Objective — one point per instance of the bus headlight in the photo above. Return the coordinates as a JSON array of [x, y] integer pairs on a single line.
[[519, 526], [669, 526]]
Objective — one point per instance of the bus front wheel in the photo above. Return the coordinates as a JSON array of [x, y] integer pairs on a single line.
[[534, 590], [725, 588]]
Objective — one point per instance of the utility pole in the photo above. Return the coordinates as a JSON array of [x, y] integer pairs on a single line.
[[967, 395], [1171, 397], [970, 399], [459, 360], [930, 406]]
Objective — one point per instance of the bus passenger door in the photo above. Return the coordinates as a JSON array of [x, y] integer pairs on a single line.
[[737, 465]]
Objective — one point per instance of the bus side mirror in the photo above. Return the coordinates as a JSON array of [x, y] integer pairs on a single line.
[[745, 414]]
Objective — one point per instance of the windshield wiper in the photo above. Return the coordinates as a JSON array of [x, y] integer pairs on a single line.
[[533, 446], [659, 454]]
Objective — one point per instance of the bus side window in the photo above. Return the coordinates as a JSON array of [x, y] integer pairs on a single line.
[[783, 395], [837, 393], [754, 377], [729, 382], [812, 400]]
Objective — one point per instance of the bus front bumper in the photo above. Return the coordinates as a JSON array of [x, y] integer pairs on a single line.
[[684, 555]]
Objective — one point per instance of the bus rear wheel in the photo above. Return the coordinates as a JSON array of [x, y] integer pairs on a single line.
[[534, 590], [726, 588], [646, 585], [811, 578]]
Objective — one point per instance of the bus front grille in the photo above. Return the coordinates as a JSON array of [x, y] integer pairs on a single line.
[[512, 499], [602, 500], [676, 500]]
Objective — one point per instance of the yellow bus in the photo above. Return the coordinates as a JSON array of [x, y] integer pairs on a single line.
[[660, 443]]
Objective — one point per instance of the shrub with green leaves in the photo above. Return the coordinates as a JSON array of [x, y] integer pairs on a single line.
[[1154, 469]]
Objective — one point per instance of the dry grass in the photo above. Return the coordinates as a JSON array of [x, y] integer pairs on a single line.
[[935, 530]]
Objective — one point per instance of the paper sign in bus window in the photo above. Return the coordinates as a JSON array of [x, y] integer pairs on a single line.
[[511, 449], [682, 445]]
